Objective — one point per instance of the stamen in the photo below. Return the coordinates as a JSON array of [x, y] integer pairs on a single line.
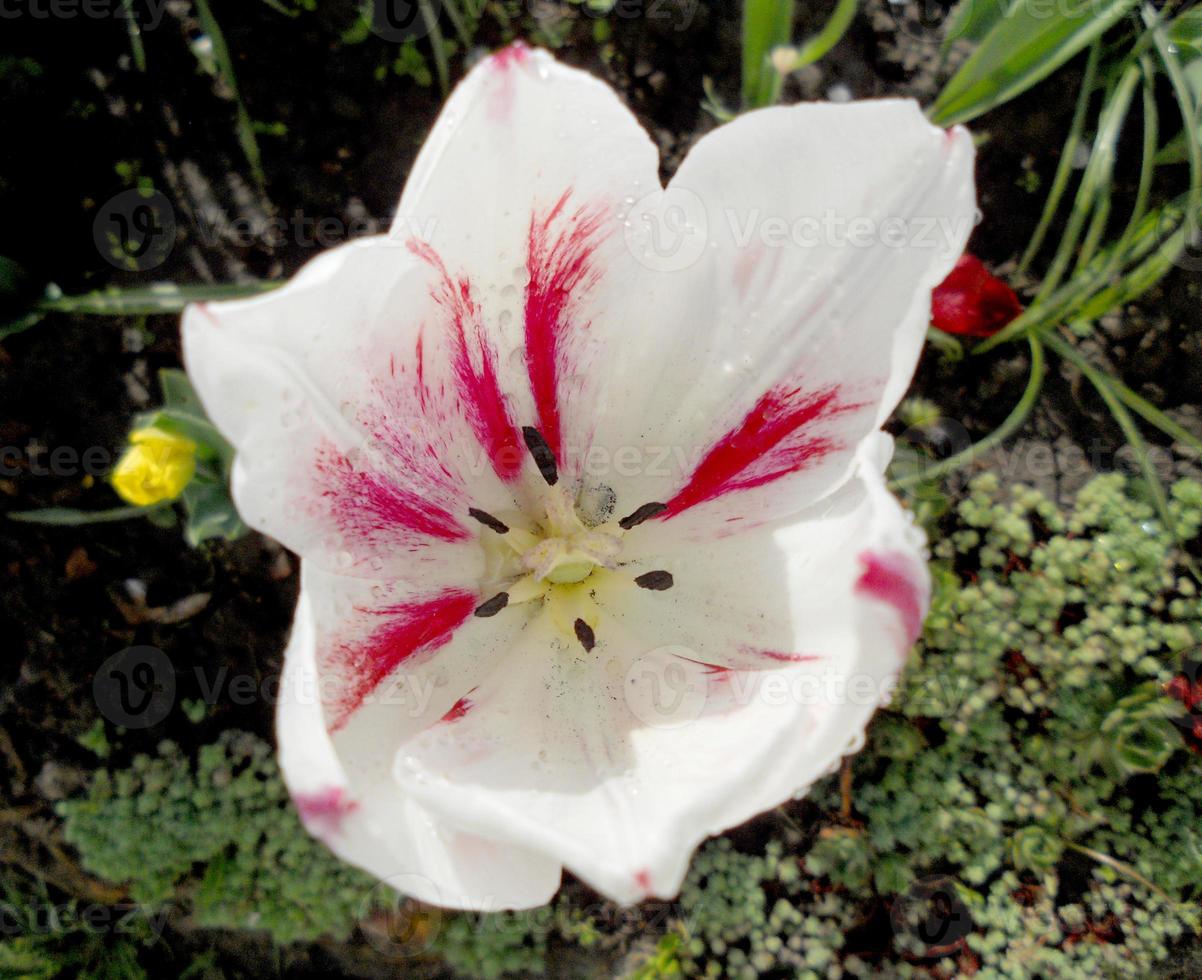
[[488, 520], [644, 513], [544, 459], [493, 605], [585, 634], [656, 581]]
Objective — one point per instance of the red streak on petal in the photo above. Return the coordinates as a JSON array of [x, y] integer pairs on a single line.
[[642, 878], [972, 302], [366, 503], [517, 53], [561, 268], [782, 658], [479, 386], [460, 708], [413, 629], [323, 812], [890, 577], [769, 443]]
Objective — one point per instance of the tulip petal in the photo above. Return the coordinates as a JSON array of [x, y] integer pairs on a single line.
[[619, 761], [793, 256], [525, 180], [351, 803], [363, 399]]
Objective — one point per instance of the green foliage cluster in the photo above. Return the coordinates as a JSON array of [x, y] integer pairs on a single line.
[[221, 833], [1028, 805]]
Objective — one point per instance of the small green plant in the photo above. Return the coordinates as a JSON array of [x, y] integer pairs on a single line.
[[219, 833]]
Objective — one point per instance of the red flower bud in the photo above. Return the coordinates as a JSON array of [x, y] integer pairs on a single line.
[[973, 302]]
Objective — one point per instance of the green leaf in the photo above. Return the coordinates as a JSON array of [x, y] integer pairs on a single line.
[[162, 297], [1185, 33], [1023, 48], [973, 19], [9, 328], [767, 24], [178, 391], [210, 513], [70, 517]]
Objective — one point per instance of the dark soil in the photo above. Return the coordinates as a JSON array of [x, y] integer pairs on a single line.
[[79, 119]]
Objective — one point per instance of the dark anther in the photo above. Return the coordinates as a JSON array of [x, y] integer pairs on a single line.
[[644, 513], [656, 581], [488, 520], [544, 459], [584, 633], [493, 606]]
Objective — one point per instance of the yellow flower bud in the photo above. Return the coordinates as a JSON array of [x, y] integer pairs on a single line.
[[156, 467]]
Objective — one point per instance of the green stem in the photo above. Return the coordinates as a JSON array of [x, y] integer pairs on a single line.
[[1012, 424], [135, 34]]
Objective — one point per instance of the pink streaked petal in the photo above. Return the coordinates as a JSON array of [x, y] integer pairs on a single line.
[[366, 504], [517, 53], [778, 436], [560, 262], [476, 377], [890, 577], [413, 630], [323, 812]]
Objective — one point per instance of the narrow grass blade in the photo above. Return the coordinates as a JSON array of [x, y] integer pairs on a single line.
[[135, 34], [1141, 406], [438, 44], [245, 127], [1023, 48], [1103, 384], [767, 24], [830, 35], [1093, 194], [1064, 168], [146, 300]]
